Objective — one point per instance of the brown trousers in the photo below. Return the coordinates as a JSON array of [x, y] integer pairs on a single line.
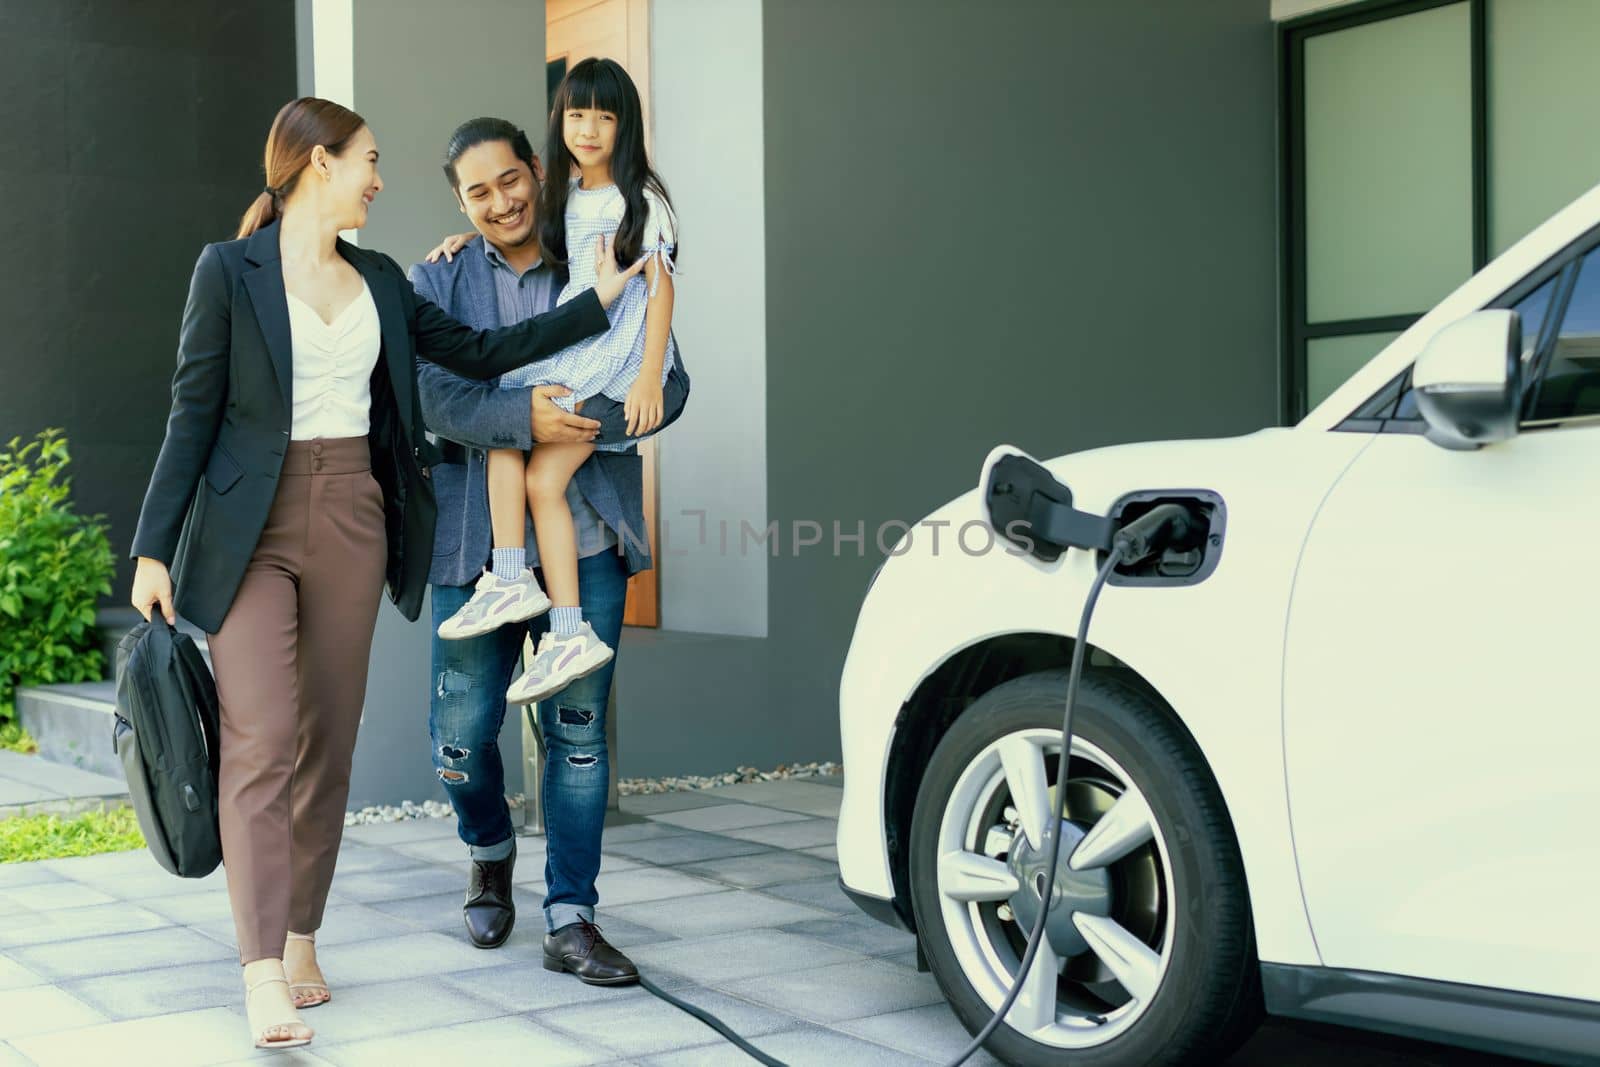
[[291, 667]]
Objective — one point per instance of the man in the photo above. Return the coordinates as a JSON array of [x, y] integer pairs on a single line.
[[499, 279]]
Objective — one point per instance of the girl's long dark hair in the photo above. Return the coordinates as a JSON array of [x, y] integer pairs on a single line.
[[601, 84], [299, 127]]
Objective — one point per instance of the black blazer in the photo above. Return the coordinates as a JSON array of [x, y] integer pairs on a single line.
[[217, 473]]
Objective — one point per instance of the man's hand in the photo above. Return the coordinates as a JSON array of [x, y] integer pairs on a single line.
[[451, 245], [551, 424], [644, 406], [608, 281]]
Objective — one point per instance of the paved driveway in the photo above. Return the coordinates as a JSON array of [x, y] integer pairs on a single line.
[[726, 896]]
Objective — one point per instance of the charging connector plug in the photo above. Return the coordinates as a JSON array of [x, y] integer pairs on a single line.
[[1153, 532]]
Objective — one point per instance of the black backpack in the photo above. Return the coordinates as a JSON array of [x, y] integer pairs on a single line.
[[166, 737]]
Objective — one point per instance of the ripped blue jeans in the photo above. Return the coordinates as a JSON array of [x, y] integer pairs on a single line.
[[469, 706]]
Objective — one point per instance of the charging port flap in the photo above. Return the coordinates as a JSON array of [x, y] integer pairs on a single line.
[[1033, 510]]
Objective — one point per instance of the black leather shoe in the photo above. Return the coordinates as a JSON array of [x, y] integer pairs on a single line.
[[579, 948], [490, 912]]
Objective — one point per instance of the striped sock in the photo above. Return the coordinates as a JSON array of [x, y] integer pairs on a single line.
[[509, 563], [564, 622]]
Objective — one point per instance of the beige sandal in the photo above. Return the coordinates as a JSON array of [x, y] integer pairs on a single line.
[[317, 990], [263, 1033]]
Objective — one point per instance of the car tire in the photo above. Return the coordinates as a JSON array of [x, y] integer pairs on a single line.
[[1208, 999]]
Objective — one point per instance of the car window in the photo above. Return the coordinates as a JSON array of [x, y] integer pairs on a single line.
[[1570, 385], [1532, 309]]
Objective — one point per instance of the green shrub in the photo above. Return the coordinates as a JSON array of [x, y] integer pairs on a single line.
[[48, 837], [54, 566], [14, 738]]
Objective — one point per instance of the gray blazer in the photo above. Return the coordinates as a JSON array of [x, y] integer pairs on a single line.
[[479, 415]]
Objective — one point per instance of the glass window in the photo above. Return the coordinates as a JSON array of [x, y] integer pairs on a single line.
[[1570, 387], [1388, 165], [1331, 360], [1544, 128]]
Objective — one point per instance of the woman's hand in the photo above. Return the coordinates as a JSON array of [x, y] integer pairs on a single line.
[[643, 407], [153, 585], [608, 281], [450, 246]]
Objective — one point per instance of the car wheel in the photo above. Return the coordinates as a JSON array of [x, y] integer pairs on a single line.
[[1149, 954]]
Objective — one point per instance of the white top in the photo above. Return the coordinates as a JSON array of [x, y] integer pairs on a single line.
[[333, 364]]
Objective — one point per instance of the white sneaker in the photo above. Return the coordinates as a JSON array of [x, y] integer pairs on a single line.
[[559, 662], [495, 602]]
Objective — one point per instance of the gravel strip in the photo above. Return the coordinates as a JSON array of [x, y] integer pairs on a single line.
[[628, 787]]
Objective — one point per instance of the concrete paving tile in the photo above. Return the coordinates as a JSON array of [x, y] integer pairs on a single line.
[[648, 883], [525, 986], [713, 913], [689, 847], [14, 793], [821, 893], [292, 1057], [805, 833], [723, 817], [933, 1032], [741, 954], [437, 911], [120, 953], [755, 872], [365, 859], [58, 778], [51, 896], [641, 831], [683, 800], [14, 975], [163, 990], [846, 991], [507, 1040], [812, 1046], [402, 832], [192, 909], [452, 851], [48, 927], [791, 795], [183, 1039], [640, 1026], [611, 864], [14, 875], [417, 955], [827, 853], [398, 884], [362, 1013], [860, 933], [43, 1010], [349, 923]]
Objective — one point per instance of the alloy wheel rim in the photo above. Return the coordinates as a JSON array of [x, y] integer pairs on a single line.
[[1002, 803]]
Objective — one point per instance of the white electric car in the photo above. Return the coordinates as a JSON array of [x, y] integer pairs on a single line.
[[1336, 757]]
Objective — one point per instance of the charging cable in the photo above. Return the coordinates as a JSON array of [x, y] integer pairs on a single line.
[[1137, 541], [1037, 934]]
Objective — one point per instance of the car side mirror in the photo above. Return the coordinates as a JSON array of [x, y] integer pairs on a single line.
[[1468, 381]]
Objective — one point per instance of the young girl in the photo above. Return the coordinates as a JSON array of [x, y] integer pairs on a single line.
[[597, 126]]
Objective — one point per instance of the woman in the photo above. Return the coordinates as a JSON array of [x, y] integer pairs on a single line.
[[291, 484]]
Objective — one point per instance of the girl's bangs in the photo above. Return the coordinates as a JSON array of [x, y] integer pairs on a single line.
[[592, 86]]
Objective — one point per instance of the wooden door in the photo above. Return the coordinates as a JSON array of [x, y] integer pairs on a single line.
[[619, 30]]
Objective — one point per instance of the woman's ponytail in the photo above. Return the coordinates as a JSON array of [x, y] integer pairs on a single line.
[[262, 211]]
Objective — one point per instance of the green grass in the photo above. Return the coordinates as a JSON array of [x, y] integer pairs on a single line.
[[15, 738], [48, 837]]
